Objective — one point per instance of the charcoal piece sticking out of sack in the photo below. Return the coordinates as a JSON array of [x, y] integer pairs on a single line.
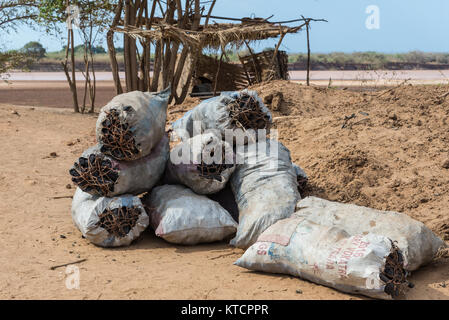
[[101, 175], [231, 110], [109, 222], [226, 199], [417, 242], [178, 215], [301, 178], [265, 188], [132, 124], [204, 163], [369, 264]]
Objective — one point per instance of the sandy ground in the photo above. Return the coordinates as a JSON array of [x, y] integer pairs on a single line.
[[390, 159]]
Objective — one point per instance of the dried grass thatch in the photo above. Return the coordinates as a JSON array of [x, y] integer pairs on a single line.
[[214, 36]]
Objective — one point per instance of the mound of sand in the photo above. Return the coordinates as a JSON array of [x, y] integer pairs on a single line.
[[391, 153], [385, 148]]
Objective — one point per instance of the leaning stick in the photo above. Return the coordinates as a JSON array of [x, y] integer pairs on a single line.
[[389, 90], [67, 264]]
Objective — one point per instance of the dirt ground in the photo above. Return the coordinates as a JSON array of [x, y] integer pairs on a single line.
[[391, 155]]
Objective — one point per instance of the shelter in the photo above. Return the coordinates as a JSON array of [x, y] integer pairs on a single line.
[[178, 38]]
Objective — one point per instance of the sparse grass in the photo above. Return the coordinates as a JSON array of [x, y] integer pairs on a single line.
[[375, 60], [56, 57]]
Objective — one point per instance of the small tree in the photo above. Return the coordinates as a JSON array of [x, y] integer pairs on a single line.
[[13, 59], [93, 21], [93, 18], [98, 50], [34, 49], [16, 12], [12, 14]]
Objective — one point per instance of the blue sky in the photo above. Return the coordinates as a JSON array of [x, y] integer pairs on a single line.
[[404, 25]]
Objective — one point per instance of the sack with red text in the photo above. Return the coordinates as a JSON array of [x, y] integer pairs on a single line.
[[369, 264], [418, 243]]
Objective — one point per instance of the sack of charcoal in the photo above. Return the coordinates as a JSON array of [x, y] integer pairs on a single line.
[[264, 184], [132, 124], [109, 222], [180, 216], [242, 110], [226, 199], [204, 163], [418, 243], [368, 264], [102, 175]]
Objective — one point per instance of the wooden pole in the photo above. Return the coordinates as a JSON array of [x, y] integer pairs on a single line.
[[210, 11], [242, 61], [171, 47], [86, 77], [93, 85], [194, 52], [72, 81], [126, 49], [157, 65], [171, 64], [218, 72], [133, 47], [255, 64], [148, 59], [158, 56], [72, 56], [182, 59], [308, 53], [277, 47], [275, 59], [145, 62], [141, 75], [178, 73], [111, 49]]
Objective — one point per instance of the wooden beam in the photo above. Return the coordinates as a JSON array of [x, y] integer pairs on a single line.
[[218, 72], [209, 13]]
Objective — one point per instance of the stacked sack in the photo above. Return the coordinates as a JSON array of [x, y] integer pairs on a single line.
[[129, 159], [225, 164], [350, 248], [224, 139]]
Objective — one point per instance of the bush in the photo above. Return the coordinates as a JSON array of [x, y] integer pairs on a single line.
[[14, 59], [34, 49], [374, 59]]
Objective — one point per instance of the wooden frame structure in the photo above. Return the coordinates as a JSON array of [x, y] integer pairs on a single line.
[[178, 38], [265, 66]]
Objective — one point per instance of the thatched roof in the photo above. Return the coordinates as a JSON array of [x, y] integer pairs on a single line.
[[214, 36]]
